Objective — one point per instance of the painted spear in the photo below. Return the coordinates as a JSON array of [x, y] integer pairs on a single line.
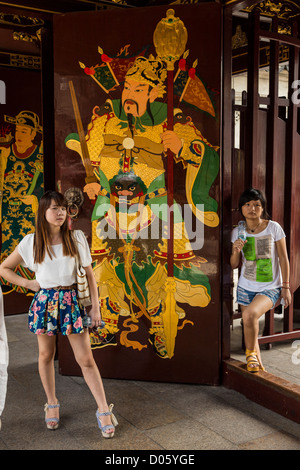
[[170, 38], [90, 176]]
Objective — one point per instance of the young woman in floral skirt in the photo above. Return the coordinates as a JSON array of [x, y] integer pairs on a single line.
[[51, 253]]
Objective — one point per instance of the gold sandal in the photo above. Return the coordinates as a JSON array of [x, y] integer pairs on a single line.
[[253, 363]]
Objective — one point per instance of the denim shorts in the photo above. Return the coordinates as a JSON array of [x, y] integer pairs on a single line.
[[245, 297]]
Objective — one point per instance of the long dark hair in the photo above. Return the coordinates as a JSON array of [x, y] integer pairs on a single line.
[[252, 194], [42, 233]]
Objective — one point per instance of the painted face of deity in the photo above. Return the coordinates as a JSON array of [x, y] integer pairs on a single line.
[[127, 188], [24, 136], [135, 97]]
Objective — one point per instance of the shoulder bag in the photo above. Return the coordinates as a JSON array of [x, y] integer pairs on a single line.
[[84, 295]]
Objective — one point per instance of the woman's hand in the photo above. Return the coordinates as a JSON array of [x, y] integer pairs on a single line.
[[33, 285], [7, 272], [95, 317], [235, 257], [238, 245], [286, 296]]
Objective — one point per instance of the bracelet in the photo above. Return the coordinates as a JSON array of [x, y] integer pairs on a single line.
[[282, 287]]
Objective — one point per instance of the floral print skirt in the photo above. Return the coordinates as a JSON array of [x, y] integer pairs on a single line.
[[56, 310]]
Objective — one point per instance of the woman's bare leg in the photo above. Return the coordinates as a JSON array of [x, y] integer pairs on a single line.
[[80, 344], [47, 347], [251, 315]]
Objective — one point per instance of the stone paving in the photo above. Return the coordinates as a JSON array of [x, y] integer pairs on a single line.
[[152, 416]]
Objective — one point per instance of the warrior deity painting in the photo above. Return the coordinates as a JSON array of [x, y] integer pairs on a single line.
[[124, 151], [21, 180]]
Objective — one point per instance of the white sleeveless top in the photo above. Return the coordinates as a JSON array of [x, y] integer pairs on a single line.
[[60, 270]]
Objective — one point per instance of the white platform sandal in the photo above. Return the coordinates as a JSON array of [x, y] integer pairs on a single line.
[[54, 421], [104, 429]]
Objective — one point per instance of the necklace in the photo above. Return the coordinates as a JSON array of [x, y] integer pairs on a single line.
[[253, 229]]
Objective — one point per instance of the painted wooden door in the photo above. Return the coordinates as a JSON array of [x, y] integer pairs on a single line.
[[120, 113]]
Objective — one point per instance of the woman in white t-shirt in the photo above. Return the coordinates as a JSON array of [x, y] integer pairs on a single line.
[[51, 254], [265, 269]]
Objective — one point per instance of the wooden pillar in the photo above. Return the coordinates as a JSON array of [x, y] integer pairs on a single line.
[[292, 174], [273, 158], [226, 183], [48, 106], [252, 151]]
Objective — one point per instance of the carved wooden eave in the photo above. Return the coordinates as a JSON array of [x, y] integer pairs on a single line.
[[287, 10], [284, 10], [25, 28], [67, 6]]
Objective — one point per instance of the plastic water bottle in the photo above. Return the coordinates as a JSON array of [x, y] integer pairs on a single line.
[[242, 230], [87, 322]]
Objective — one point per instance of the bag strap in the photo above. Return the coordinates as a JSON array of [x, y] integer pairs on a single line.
[[77, 259], [76, 262]]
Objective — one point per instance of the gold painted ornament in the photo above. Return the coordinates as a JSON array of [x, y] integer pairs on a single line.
[[170, 37]]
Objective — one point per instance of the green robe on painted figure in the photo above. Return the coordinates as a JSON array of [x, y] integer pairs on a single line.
[[129, 219]]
